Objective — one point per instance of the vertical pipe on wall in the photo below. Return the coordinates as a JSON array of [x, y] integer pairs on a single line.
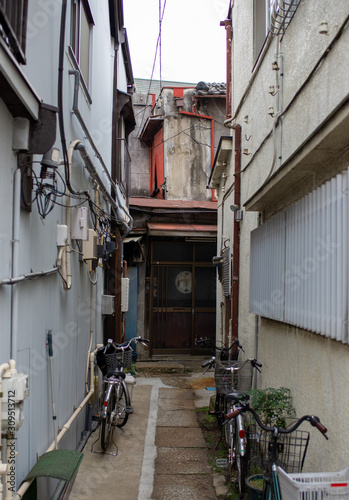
[[236, 238], [229, 34], [15, 259]]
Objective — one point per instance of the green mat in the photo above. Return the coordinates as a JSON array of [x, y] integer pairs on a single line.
[[60, 464]]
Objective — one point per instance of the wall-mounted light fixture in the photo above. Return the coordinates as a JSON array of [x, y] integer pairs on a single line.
[[238, 214], [49, 160]]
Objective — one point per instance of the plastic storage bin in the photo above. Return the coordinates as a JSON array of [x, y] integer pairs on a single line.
[[314, 486]]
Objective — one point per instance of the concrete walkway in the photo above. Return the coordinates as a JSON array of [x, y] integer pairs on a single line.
[[161, 450]]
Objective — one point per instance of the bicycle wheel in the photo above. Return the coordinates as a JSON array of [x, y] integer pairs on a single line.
[[107, 422], [219, 408], [240, 464], [123, 402]]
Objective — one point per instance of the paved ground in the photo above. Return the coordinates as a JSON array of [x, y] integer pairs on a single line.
[[161, 450]]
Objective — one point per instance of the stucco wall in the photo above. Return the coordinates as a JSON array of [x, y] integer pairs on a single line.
[[316, 369], [187, 150]]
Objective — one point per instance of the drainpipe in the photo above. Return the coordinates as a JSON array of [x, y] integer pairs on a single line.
[[3, 466], [15, 260], [236, 240], [229, 35]]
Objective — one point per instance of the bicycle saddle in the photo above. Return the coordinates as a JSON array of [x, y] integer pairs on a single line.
[[115, 373], [236, 396]]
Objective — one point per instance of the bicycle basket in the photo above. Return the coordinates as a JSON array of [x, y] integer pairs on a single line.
[[314, 486], [227, 382], [292, 449], [109, 361]]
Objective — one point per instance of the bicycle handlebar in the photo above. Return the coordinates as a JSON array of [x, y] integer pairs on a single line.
[[206, 342], [315, 421], [209, 364], [126, 345]]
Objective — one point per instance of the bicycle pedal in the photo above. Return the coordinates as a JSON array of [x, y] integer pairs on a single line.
[[95, 418], [129, 410]]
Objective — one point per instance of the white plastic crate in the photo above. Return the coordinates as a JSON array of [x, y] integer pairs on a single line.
[[314, 486]]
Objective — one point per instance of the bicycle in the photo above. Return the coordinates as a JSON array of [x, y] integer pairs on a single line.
[[115, 405], [271, 486], [224, 354], [233, 379]]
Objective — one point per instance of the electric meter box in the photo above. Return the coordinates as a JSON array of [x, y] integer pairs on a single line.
[[79, 224], [125, 287], [15, 390], [89, 246]]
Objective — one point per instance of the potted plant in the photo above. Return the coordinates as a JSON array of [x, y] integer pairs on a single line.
[[255, 486], [273, 406]]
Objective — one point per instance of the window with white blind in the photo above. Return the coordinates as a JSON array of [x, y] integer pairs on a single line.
[[299, 263]]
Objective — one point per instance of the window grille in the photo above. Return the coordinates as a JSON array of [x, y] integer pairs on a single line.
[[281, 14], [13, 26], [299, 262]]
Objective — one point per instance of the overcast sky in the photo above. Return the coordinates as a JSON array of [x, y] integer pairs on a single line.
[[192, 41]]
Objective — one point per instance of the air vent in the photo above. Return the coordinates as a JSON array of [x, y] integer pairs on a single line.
[[281, 14], [226, 275]]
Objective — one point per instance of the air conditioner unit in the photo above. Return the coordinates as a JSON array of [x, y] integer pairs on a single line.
[[281, 14]]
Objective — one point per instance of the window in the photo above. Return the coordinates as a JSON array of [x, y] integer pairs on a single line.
[[260, 25], [81, 23], [13, 26], [273, 16], [299, 263]]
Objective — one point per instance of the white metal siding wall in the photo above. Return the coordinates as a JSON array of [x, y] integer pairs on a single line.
[[267, 267], [299, 263]]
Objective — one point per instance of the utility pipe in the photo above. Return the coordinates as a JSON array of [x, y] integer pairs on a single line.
[[91, 336], [94, 174], [89, 163], [15, 260], [29, 276], [229, 123], [66, 258], [24, 486], [3, 467], [236, 237], [229, 35]]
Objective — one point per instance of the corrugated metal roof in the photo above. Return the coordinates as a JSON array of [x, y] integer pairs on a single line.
[[142, 85], [179, 204]]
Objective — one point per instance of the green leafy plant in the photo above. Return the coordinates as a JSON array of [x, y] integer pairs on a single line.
[[272, 405]]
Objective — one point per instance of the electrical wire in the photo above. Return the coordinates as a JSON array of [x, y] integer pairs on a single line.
[[154, 62]]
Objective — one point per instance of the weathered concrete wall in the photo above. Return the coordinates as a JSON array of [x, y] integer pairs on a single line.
[[187, 150], [316, 369]]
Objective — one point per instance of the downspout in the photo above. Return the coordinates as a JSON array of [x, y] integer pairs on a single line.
[[15, 260], [228, 28], [3, 466], [236, 238]]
